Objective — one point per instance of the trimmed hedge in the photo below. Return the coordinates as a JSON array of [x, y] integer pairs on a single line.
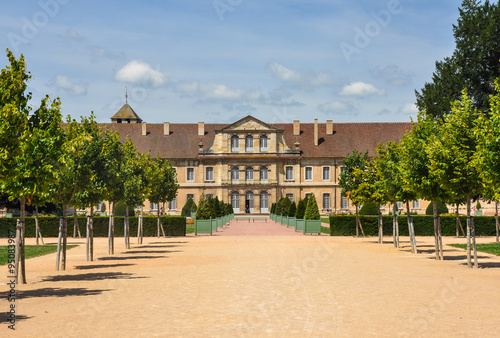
[[344, 225], [49, 226], [369, 209]]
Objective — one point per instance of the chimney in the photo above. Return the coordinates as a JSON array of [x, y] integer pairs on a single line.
[[144, 129], [316, 141], [201, 128], [329, 127], [296, 128], [166, 128]]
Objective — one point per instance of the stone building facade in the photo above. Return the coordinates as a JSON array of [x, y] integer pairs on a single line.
[[252, 164]]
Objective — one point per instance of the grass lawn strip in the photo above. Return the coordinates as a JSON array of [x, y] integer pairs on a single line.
[[30, 251], [491, 248]]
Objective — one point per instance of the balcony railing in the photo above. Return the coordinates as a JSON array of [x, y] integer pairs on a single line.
[[249, 182]]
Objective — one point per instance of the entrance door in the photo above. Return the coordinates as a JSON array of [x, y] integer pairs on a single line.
[[249, 202]]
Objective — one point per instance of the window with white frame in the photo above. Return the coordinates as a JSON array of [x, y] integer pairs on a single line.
[[190, 196], [263, 143], [249, 143], [400, 205], [235, 144], [235, 201], [326, 201], [416, 204], [308, 195], [235, 174], [344, 202], [289, 173], [209, 176], [308, 175], [264, 174], [154, 206], [172, 205], [190, 174], [326, 173], [290, 197], [249, 174]]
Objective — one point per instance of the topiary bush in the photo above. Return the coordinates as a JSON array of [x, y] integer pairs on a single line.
[[204, 210], [285, 204], [301, 209], [188, 208], [292, 209], [441, 208], [370, 209], [312, 211]]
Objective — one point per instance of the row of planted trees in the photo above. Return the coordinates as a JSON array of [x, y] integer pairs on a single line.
[[75, 163], [454, 159], [306, 208]]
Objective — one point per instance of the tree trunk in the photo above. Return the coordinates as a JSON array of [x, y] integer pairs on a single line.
[[37, 226], [380, 227], [357, 223], [59, 240], [395, 225], [87, 232], [22, 241], [139, 228], [158, 219], [125, 227], [411, 230], [441, 251], [65, 237], [436, 238], [18, 249], [76, 226], [496, 219], [469, 262], [457, 220], [111, 230], [91, 233], [473, 233]]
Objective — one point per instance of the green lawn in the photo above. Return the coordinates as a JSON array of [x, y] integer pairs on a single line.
[[189, 228], [325, 220], [30, 251], [325, 230], [491, 248]]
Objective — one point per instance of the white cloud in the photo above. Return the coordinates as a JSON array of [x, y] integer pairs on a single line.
[[335, 107], [63, 82], [361, 89], [141, 73], [303, 80], [217, 92], [409, 108], [392, 75]]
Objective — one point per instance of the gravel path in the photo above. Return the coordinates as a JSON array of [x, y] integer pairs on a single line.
[[284, 285]]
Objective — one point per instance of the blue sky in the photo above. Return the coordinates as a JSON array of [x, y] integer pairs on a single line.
[[220, 60]]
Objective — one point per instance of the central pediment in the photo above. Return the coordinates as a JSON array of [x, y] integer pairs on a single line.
[[248, 123]]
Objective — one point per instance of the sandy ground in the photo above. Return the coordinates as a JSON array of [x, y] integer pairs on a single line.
[[257, 279]]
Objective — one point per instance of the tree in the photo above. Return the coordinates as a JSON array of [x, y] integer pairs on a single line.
[[415, 170], [312, 211], [473, 65], [29, 146], [452, 160], [348, 184], [162, 185], [371, 189], [488, 152]]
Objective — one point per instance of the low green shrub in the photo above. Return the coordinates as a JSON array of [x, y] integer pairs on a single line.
[[49, 226], [369, 209], [441, 208], [344, 225]]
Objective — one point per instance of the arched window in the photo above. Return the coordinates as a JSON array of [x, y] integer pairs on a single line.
[[249, 202], [235, 202], [235, 144], [264, 174], [263, 143], [249, 143], [235, 174], [249, 174]]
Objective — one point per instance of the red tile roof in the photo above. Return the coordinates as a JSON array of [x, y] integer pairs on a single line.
[[182, 143]]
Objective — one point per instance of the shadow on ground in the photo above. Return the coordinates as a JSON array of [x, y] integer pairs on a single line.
[[91, 277], [54, 292]]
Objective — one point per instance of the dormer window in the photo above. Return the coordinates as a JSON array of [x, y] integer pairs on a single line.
[[249, 144]]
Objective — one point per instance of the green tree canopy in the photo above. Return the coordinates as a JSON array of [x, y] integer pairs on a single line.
[[312, 211]]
